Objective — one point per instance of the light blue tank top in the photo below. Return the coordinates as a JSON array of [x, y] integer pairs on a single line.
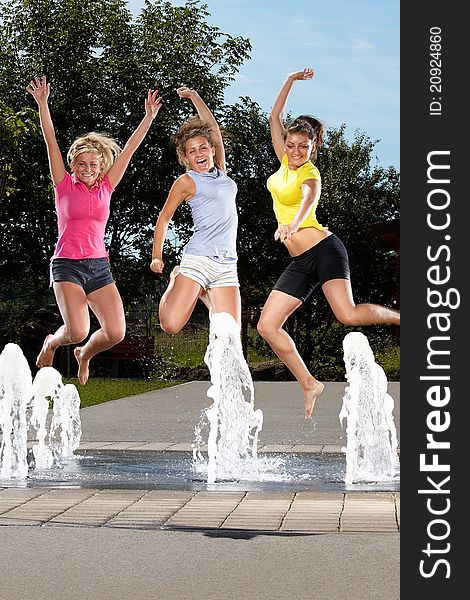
[[215, 217]]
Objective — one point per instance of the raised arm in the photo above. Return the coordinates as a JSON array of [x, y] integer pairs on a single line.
[[40, 90], [206, 115], [153, 104], [276, 117], [182, 189]]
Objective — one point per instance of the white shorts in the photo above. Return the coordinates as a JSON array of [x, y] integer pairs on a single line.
[[208, 273]]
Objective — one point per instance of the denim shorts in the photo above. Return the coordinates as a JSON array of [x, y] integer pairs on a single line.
[[208, 272], [325, 261], [91, 274]]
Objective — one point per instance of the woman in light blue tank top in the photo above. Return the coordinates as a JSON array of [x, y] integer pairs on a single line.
[[208, 269]]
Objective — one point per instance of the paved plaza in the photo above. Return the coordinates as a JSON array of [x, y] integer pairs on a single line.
[[263, 544]]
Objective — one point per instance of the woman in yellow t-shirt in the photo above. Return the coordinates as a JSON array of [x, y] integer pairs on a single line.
[[318, 256]]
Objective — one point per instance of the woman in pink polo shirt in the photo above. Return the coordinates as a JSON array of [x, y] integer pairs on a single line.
[[80, 271]]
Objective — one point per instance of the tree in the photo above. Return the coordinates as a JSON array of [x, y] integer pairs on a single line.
[[100, 63]]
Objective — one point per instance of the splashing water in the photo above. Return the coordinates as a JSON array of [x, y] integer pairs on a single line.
[[66, 427], [232, 445], [15, 393], [371, 451], [47, 384], [20, 397]]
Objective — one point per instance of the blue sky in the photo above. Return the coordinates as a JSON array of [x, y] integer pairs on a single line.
[[353, 47]]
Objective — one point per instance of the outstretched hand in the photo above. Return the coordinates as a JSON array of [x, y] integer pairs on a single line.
[[39, 89], [153, 103], [304, 75]]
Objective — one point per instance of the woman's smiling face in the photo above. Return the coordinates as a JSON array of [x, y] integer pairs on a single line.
[[87, 167], [199, 154], [299, 148]]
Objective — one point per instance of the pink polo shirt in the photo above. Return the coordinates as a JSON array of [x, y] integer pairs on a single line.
[[82, 215]]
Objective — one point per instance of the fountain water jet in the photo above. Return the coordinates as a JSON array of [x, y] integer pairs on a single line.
[[15, 394], [232, 445], [66, 428], [20, 397], [371, 451]]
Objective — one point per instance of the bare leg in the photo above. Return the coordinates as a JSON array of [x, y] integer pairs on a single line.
[[278, 308], [224, 299], [340, 298], [204, 298], [178, 302], [106, 303], [72, 303]]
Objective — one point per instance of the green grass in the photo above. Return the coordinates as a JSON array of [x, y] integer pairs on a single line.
[[389, 360], [97, 391]]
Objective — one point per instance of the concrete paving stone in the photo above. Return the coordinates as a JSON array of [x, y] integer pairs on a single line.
[[253, 527], [120, 446], [212, 523], [313, 528], [367, 528], [170, 494], [315, 495], [302, 513], [93, 445], [313, 518], [11, 498], [22, 492], [210, 495], [151, 446], [332, 449], [275, 448], [5, 521], [182, 447], [307, 449], [317, 503], [206, 510], [100, 508], [269, 495], [367, 517], [251, 518], [96, 445], [320, 521], [47, 505], [196, 514]]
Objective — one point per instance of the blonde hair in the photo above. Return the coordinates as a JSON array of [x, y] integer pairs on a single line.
[[194, 127], [97, 143]]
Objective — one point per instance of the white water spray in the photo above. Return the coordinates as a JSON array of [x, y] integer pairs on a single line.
[[15, 393], [371, 451], [232, 444], [47, 384], [20, 398], [66, 427]]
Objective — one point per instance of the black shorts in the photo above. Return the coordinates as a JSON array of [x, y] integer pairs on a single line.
[[326, 260], [89, 273]]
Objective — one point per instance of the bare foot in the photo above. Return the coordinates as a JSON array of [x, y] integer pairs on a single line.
[[46, 356], [310, 397], [82, 366]]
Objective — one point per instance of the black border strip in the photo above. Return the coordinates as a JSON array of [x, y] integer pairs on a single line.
[[434, 248]]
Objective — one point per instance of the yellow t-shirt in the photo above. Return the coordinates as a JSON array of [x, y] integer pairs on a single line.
[[285, 186]]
